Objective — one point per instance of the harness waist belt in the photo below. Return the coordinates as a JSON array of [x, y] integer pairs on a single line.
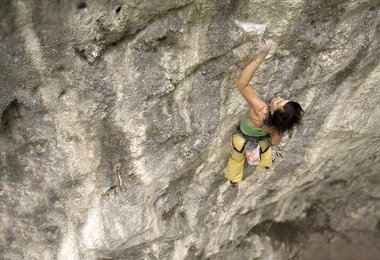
[[256, 138]]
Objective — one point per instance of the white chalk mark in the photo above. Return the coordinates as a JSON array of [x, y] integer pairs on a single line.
[[254, 28]]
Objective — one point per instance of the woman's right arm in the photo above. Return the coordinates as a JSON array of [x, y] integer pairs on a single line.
[[246, 75]]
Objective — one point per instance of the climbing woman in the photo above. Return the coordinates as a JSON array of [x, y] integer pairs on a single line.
[[261, 126]]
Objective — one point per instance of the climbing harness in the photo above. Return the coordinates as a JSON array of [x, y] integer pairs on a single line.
[[251, 147]]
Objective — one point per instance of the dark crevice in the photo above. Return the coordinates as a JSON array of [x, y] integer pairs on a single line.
[[378, 226], [10, 113], [118, 10], [82, 5], [80, 53], [62, 94], [35, 89]]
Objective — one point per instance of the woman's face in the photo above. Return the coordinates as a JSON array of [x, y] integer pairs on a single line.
[[277, 103]]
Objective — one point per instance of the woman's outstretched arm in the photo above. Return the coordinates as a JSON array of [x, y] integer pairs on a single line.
[[246, 75]]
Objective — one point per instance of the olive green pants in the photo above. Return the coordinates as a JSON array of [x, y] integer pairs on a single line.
[[236, 161]]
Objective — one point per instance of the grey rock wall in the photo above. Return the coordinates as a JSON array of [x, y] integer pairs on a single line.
[[116, 119]]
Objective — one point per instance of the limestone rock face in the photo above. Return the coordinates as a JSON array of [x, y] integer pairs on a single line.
[[116, 119]]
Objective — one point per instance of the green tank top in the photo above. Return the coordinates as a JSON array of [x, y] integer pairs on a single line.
[[250, 131]]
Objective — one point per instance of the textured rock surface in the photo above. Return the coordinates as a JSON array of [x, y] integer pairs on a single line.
[[116, 117]]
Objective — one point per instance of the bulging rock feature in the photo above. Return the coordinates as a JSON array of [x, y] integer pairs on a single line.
[[116, 118]]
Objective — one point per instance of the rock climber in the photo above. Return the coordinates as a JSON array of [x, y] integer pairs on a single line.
[[262, 125]]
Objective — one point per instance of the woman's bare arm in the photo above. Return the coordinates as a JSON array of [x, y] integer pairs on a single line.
[[275, 138], [245, 77]]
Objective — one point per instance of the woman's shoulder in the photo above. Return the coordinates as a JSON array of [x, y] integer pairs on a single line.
[[257, 117], [260, 108]]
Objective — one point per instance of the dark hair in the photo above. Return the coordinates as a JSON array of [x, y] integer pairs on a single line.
[[284, 120]]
